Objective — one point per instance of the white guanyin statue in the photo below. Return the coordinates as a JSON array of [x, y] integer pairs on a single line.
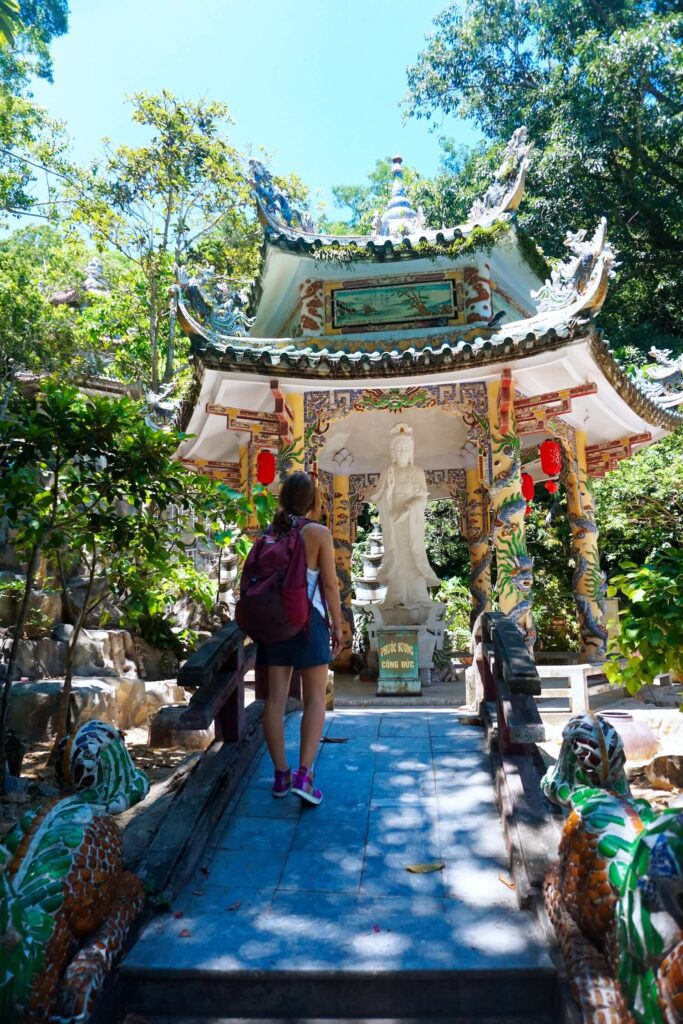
[[401, 498]]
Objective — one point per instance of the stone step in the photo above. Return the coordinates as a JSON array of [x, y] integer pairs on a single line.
[[136, 1019], [481, 996]]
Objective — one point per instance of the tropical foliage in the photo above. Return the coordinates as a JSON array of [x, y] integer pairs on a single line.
[[85, 482], [651, 626], [600, 89]]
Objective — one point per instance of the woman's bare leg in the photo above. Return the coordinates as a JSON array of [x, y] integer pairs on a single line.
[[314, 684], [279, 677]]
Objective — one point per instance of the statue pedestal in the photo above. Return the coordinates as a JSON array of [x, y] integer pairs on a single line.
[[422, 624], [399, 669]]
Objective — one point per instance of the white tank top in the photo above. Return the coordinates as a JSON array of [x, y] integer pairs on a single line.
[[313, 587]]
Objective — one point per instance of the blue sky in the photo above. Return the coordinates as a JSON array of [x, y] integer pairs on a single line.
[[316, 83]]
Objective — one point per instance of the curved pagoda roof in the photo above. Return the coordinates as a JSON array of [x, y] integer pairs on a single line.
[[224, 338]]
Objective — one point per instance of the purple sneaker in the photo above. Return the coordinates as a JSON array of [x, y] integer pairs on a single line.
[[303, 786], [282, 783]]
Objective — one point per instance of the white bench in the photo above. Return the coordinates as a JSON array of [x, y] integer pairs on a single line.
[[579, 688]]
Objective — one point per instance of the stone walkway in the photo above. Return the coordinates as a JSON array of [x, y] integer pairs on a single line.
[[287, 887]]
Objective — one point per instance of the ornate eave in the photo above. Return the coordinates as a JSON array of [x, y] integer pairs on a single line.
[[290, 359], [628, 389]]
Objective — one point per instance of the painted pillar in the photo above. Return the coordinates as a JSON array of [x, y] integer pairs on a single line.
[[341, 533], [296, 456], [514, 566], [477, 535], [248, 478], [588, 582], [246, 468]]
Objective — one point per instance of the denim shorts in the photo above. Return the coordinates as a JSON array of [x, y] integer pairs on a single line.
[[308, 648]]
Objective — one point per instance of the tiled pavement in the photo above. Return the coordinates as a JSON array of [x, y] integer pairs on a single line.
[[289, 887], [286, 887]]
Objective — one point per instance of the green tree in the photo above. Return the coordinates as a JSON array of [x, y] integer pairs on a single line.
[[87, 479], [49, 323], [549, 543], [639, 505], [30, 142], [36, 335], [158, 203], [447, 548], [600, 88], [10, 22], [650, 637]]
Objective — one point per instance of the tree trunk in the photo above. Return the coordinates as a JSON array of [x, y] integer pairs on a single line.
[[219, 569], [154, 336], [65, 696], [170, 354], [6, 397], [66, 597], [31, 571]]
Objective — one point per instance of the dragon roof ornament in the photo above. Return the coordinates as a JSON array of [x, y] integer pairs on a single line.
[[581, 281], [220, 307], [505, 192], [663, 383], [272, 202]]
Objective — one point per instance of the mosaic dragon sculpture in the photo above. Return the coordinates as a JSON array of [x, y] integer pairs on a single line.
[[504, 192], [663, 382], [66, 904], [275, 204], [214, 302], [616, 897], [570, 280]]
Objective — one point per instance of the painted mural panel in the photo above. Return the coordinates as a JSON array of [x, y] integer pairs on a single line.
[[393, 304]]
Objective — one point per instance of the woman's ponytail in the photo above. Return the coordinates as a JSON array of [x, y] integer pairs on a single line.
[[297, 498]]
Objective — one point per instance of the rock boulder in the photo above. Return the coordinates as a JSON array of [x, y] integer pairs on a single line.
[[33, 706], [164, 731]]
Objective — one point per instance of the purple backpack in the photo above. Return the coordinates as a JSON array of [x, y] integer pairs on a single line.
[[273, 603]]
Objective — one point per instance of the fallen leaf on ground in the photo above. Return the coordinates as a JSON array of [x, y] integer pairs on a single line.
[[235, 906], [426, 869], [376, 929], [204, 870], [335, 739], [185, 933], [506, 881], [178, 913]]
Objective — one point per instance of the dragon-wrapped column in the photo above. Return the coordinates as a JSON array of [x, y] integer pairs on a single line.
[[293, 452], [477, 536], [342, 536], [514, 566], [588, 582]]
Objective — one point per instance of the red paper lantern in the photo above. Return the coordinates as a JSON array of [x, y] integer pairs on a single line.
[[527, 486], [551, 457], [552, 486], [265, 468]]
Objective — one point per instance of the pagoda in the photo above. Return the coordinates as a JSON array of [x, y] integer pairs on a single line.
[[464, 334]]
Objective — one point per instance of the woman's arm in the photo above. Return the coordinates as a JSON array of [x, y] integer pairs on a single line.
[[328, 575]]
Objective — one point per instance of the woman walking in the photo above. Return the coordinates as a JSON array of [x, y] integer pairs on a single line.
[[311, 650]]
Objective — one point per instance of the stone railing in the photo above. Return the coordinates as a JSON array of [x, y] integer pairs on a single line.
[[216, 672], [510, 679]]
